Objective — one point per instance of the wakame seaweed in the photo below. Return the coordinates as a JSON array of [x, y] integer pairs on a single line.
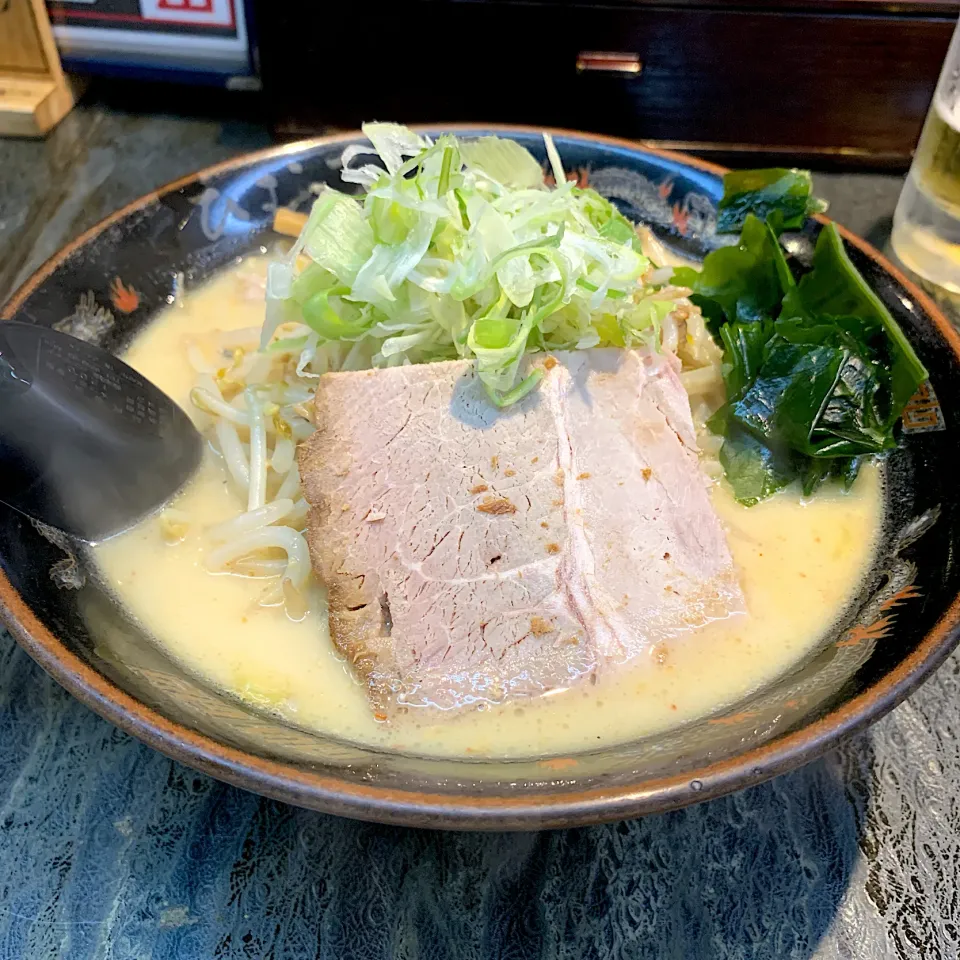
[[786, 193], [817, 373]]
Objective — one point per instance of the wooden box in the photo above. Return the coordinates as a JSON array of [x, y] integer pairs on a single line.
[[34, 94]]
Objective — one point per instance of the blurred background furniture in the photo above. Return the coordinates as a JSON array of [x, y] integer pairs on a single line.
[[34, 94], [845, 81], [204, 42], [836, 82]]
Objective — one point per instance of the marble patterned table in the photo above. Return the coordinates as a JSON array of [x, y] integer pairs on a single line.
[[109, 850]]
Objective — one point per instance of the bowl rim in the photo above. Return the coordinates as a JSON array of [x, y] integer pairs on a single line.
[[560, 807]]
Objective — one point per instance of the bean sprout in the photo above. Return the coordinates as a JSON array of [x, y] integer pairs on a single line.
[[197, 360], [297, 517], [291, 483], [281, 538], [251, 520], [231, 339], [301, 429], [215, 406], [231, 449], [258, 452], [701, 380], [260, 569], [256, 409], [281, 459]]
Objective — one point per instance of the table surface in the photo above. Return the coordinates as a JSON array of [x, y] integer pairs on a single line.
[[110, 850]]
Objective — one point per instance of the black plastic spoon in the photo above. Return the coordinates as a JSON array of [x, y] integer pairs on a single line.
[[87, 445]]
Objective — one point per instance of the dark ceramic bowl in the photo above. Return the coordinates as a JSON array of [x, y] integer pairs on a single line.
[[109, 284]]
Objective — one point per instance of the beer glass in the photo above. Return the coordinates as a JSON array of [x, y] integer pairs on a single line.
[[926, 225]]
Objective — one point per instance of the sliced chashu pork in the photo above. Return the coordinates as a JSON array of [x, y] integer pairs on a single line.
[[473, 554]]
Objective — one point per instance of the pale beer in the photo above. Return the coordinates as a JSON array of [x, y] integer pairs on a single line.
[[926, 225]]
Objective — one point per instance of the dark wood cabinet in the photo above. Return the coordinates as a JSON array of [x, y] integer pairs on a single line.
[[845, 80]]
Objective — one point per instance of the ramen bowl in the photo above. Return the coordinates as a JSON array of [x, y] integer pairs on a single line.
[[109, 284]]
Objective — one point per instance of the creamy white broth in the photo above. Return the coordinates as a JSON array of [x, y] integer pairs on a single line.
[[799, 564]]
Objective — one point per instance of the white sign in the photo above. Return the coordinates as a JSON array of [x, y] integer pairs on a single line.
[[210, 13]]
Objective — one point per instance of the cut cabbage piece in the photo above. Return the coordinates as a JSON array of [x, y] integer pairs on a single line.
[[503, 161]]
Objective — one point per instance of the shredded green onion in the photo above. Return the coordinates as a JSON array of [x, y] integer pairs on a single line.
[[458, 249]]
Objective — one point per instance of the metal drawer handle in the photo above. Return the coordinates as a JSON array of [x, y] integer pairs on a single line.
[[605, 61]]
